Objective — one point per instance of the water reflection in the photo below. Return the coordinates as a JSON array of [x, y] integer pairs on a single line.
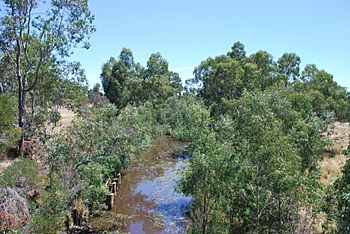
[[147, 201]]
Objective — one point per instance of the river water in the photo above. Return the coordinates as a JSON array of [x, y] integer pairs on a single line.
[[147, 201]]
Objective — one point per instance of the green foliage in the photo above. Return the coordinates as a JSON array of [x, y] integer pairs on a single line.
[[327, 95], [250, 173], [7, 112], [97, 147], [121, 79], [254, 134], [50, 216], [36, 123], [226, 77], [73, 94], [95, 174], [9, 134], [343, 196], [126, 82], [186, 117], [160, 83], [96, 97], [256, 167], [306, 136], [41, 35], [23, 173], [9, 139], [288, 67], [55, 117], [139, 124]]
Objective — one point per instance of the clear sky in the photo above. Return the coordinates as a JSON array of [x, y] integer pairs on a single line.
[[187, 32]]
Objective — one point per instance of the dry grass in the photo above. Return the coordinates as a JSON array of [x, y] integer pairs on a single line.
[[4, 164], [67, 117], [334, 158], [332, 163]]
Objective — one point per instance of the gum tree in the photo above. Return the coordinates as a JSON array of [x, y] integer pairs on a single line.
[[33, 32]]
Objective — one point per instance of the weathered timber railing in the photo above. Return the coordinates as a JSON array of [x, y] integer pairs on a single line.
[[113, 187]]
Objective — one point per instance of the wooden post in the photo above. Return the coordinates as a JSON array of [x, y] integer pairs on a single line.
[[110, 201], [119, 178], [77, 219], [114, 188]]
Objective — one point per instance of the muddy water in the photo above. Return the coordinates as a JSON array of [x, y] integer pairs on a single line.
[[147, 201]]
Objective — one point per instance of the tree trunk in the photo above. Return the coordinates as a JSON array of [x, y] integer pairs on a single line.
[[32, 97], [21, 110], [21, 94], [1, 89]]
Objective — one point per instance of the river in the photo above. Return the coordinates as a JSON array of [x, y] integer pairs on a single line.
[[147, 201]]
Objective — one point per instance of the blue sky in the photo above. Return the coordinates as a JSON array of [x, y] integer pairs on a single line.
[[188, 32]]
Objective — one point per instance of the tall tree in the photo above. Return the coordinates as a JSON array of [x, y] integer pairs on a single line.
[[288, 66], [126, 82], [249, 175], [265, 68], [160, 83], [33, 31], [237, 51], [121, 79]]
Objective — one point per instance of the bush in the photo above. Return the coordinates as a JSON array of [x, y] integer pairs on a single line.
[[50, 216], [97, 147], [55, 117], [185, 117], [9, 135], [23, 175], [96, 191], [9, 139], [35, 123], [342, 186], [255, 170], [8, 112]]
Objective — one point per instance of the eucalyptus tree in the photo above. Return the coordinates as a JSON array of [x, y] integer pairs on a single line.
[[226, 77], [127, 82], [249, 173], [288, 66], [121, 79], [33, 31], [159, 82]]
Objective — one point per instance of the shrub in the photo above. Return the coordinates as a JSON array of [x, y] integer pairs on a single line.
[[342, 186], [9, 139], [35, 123], [50, 216], [7, 112], [97, 147], [55, 117], [185, 117], [23, 174]]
